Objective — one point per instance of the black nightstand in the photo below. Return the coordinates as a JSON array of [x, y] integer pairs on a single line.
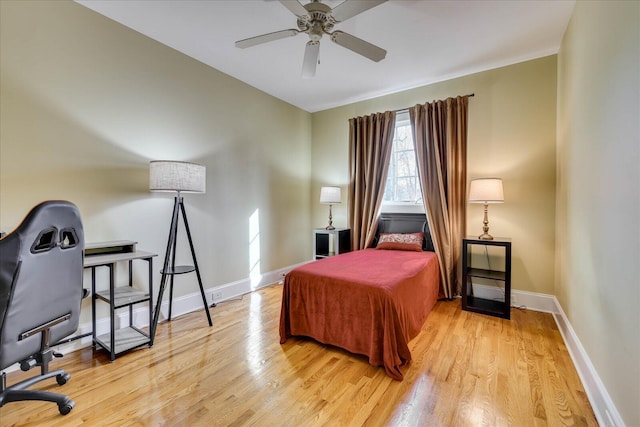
[[322, 246], [490, 306]]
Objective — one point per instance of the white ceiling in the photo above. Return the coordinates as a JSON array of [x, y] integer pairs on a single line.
[[427, 41]]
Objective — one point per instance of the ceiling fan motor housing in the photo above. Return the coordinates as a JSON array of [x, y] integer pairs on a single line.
[[320, 20]]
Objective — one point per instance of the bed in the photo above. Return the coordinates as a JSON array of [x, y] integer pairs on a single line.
[[370, 302]]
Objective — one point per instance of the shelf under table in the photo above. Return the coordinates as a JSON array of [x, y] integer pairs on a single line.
[[123, 296], [125, 339]]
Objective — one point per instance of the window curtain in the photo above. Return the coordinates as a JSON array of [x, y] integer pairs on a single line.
[[440, 137], [370, 142]]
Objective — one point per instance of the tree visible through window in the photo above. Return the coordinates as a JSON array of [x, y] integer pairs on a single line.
[[402, 184]]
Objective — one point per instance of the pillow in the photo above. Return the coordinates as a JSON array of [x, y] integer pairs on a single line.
[[401, 241]]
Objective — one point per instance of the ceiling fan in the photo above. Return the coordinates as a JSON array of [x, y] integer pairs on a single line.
[[317, 19]]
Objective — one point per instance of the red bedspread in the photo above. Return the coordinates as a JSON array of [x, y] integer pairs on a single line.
[[370, 302]]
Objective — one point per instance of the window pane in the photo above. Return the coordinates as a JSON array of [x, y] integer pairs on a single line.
[[392, 165], [406, 189], [405, 163], [389, 190], [403, 138], [402, 183]]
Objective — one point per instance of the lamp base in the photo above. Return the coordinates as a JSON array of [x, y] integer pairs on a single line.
[[330, 226], [485, 225]]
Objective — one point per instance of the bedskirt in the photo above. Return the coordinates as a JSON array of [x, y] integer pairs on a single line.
[[370, 302]]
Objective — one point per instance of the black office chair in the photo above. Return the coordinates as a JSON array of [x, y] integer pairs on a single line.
[[41, 265]]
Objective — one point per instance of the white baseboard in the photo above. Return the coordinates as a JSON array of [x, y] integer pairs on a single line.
[[520, 299], [181, 305], [193, 302], [603, 407]]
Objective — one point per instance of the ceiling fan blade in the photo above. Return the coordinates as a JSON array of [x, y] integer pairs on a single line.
[[296, 8], [350, 8], [311, 53], [252, 41], [358, 46]]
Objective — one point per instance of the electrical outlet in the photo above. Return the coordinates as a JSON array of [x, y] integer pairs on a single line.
[[217, 296], [282, 276]]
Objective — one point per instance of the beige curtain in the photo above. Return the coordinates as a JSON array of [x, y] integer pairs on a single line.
[[440, 136], [370, 142]]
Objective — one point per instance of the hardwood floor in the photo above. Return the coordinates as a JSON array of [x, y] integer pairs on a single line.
[[468, 370]]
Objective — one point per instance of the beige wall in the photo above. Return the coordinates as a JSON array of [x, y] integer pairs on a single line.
[[511, 135], [598, 192], [86, 103]]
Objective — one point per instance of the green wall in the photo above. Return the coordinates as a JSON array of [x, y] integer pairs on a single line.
[[86, 103], [511, 135], [598, 192]]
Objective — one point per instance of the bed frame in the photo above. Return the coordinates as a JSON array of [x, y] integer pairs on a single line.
[[405, 223]]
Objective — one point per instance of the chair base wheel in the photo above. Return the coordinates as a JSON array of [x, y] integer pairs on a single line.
[[66, 407], [62, 379]]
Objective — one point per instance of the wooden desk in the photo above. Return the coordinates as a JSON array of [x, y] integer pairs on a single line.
[[107, 254]]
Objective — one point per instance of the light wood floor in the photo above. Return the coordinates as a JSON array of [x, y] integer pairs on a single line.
[[468, 370]]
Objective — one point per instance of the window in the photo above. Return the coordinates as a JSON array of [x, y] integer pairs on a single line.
[[402, 186]]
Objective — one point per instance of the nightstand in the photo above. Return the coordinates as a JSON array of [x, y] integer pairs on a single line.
[[331, 242], [489, 300]]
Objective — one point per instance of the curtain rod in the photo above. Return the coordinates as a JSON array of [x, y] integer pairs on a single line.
[[406, 110]]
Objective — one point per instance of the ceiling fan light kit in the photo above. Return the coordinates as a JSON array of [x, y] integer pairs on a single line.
[[316, 19]]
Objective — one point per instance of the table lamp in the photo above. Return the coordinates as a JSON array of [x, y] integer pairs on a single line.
[[486, 190], [330, 195]]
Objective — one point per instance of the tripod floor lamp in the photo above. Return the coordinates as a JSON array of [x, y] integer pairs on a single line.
[[182, 177]]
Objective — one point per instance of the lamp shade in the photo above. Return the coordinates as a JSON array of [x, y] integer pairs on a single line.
[[330, 195], [486, 190], [169, 175]]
